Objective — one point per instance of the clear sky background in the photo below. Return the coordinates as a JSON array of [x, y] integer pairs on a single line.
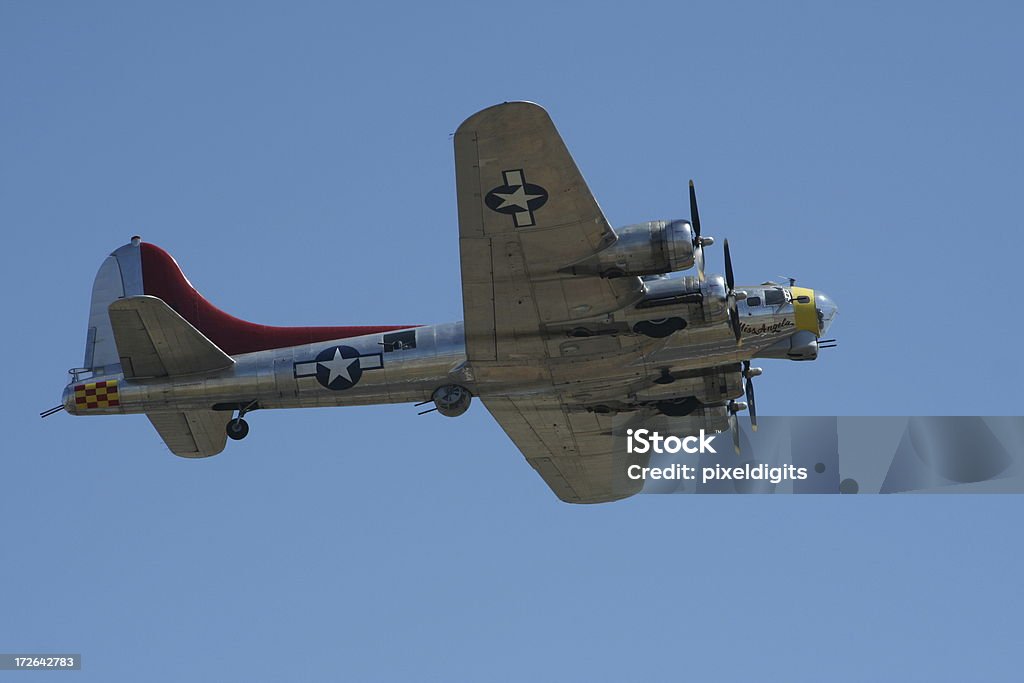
[[296, 159]]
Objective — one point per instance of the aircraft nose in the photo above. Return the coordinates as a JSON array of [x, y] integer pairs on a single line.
[[827, 310]]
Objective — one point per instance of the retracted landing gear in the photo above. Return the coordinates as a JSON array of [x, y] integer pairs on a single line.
[[451, 400], [659, 329], [237, 428]]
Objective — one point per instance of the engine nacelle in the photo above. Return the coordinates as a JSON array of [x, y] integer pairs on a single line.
[[712, 386], [716, 299], [665, 295], [643, 249]]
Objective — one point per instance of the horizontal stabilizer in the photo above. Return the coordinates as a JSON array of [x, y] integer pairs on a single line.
[[192, 434], [154, 341]]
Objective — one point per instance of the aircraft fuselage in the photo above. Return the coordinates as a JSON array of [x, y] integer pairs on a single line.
[[409, 365]]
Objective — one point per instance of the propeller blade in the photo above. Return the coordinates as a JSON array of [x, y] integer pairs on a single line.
[[734, 320], [698, 245], [734, 423], [694, 216], [734, 427], [729, 280], [749, 391]]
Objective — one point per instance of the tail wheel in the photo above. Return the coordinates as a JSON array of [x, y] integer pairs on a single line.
[[237, 429]]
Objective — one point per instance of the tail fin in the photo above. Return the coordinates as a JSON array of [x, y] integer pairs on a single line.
[[119, 276], [140, 268]]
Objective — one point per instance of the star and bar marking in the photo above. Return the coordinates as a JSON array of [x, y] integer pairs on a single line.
[[339, 367], [517, 197]]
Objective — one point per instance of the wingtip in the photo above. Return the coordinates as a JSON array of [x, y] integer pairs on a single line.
[[502, 110]]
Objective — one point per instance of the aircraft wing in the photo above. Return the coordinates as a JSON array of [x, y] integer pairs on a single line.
[[525, 214], [582, 455], [574, 451]]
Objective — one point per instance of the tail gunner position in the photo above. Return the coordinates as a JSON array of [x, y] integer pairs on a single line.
[[572, 329]]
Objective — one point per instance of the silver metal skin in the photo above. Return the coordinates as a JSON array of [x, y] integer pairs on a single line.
[[643, 249], [439, 358], [573, 332]]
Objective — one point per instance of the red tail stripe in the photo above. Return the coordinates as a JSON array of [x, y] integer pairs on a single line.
[[162, 278]]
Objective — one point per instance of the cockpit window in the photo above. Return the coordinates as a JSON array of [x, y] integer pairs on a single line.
[[753, 301], [774, 297]]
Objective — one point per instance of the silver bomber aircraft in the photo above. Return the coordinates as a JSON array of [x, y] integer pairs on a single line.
[[572, 332]]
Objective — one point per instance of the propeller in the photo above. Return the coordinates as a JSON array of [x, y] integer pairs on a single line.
[[698, 242], [732, 296], [734, 426], [750, 373]]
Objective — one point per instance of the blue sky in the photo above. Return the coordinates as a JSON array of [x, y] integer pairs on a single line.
[[296, 160]]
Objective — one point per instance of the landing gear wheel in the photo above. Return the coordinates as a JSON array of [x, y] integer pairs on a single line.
[[678, 407], [237, 429]]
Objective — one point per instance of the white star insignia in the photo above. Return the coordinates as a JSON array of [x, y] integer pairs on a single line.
[[339, 367], [518, 198]]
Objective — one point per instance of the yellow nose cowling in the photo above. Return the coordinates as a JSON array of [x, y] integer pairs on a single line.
[[805, 312]]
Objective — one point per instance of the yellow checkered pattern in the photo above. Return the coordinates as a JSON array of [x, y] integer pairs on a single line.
[[97, 395]]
